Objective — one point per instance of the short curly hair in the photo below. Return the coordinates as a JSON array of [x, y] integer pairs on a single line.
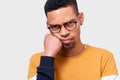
[[56, 4]]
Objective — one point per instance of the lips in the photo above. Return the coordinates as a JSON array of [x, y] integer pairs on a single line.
[[66, 41]]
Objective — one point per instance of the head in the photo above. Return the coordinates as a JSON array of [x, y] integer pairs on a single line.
[[64, 21], [56, 4]]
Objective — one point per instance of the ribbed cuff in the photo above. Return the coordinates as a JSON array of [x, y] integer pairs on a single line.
[[47, 61]]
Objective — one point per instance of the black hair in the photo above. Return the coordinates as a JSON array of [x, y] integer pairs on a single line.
[[56, 4]]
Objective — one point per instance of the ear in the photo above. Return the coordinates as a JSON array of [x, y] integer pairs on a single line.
[[81, 18]]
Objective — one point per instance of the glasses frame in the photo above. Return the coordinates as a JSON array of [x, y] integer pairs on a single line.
[[75, 21]]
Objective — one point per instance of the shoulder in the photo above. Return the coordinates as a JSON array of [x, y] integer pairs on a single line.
[[36, 57], [33, 64], [99, 51], [106, 59]]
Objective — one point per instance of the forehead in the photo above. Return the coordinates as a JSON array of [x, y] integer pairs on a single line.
[[61, 15]]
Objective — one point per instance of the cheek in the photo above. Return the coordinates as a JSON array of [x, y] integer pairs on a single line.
[[56, 35], [77, 34]]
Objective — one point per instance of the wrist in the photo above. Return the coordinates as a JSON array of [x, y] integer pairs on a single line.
[[48, 54], [46, 61]]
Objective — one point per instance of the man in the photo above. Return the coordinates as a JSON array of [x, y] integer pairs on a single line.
[[65, 57]]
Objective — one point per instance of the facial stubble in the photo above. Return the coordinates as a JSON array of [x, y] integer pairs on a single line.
[[69, 46]]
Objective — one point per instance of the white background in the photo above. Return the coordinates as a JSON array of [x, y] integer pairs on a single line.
[[22, 29]]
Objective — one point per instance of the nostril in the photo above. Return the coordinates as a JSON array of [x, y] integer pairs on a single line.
[[64, 34]]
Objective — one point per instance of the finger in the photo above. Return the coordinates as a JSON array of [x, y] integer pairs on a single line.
[[57, 36]]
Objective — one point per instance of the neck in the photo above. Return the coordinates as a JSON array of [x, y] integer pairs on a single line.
[[74, 51]]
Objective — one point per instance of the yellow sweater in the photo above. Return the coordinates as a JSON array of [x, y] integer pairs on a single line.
[[91, 64]]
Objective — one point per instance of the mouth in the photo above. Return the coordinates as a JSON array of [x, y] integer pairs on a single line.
[[66, 41]]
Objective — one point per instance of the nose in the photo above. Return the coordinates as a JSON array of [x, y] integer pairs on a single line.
[[64, 32]]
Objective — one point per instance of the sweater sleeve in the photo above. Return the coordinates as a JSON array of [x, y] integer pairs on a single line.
[[45, 71]]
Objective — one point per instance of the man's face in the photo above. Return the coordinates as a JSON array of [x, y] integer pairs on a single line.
[[65, 16]]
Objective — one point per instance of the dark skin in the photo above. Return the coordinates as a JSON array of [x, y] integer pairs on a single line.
[[66, 43]]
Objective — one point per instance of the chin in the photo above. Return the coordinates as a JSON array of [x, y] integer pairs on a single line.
[[69, 46]]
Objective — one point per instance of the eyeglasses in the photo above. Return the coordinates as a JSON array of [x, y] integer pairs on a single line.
[[71, 25]]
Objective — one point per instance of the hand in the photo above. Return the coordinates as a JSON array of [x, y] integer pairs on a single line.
[[52, 45]]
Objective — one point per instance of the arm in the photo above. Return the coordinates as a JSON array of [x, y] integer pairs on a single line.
[[46, 69], [52, 46], [109, 69]]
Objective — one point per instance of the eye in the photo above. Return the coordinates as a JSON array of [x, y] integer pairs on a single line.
[[69, 24], [55, 27]]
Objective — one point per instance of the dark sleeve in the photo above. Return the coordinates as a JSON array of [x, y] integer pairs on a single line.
[[46, 69]]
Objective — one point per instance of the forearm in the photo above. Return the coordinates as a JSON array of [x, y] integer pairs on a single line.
[[46, 69]]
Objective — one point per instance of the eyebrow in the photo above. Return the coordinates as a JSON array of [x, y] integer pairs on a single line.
[[62, 23]]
